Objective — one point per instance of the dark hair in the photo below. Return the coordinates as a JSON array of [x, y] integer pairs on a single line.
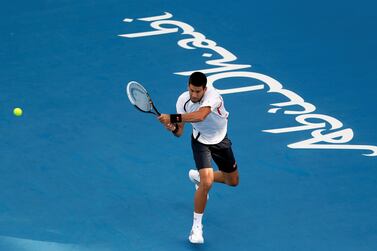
[[198, 79]]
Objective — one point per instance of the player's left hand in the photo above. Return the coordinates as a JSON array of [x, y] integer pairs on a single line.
[[164, 118], [170, 127]]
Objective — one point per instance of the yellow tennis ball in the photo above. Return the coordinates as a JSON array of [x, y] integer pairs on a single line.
[[17, 112]]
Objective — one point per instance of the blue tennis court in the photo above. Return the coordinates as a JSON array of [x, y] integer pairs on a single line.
[[82, 169]]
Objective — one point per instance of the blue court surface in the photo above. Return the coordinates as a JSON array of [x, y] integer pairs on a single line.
[[82, 169]]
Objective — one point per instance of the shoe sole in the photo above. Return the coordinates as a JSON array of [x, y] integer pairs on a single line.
[[196, 242]]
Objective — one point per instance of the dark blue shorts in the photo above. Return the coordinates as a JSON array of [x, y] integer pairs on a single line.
[[221, 154]]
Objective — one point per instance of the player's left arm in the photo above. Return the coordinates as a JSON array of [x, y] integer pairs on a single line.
[[196, 116]]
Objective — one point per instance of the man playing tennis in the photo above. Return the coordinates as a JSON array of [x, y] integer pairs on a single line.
[[204, 108]]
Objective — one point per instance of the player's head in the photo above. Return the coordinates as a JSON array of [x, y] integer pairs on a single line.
[[198, 79], [197, 86]]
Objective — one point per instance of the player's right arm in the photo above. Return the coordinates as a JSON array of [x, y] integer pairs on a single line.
[[182, 99]]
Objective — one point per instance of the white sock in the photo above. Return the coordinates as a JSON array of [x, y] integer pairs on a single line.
[[197, 220]]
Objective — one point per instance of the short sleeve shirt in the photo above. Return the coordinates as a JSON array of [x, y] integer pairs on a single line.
[[214, 127]]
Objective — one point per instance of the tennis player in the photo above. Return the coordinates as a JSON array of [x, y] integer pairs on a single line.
[[204, 108]]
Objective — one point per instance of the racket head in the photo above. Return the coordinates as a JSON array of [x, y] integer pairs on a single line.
[[140, 98]]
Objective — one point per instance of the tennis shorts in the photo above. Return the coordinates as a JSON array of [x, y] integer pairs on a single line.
[[221, 154]]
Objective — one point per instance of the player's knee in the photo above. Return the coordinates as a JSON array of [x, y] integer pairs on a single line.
[[206, 184], [234, 181]]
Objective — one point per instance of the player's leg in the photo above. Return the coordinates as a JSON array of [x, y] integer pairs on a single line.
[[206, 180], [223, 156], [200, 201], [218, 177], [231, 179], [202, 157]]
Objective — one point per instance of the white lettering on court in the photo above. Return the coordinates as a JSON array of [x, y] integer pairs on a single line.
[[326, 131]]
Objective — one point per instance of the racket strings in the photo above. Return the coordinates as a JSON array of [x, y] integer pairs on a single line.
[[139, 97]]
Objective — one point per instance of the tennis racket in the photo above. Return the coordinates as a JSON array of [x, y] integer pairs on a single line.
[[140, 98]]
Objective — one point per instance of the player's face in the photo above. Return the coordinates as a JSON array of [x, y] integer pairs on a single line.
[[196, 93]]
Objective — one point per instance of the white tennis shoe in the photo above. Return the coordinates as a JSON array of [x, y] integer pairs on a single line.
[[195, 178], [196, 236]]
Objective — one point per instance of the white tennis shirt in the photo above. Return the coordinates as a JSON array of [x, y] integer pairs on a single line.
[[214, 127]]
